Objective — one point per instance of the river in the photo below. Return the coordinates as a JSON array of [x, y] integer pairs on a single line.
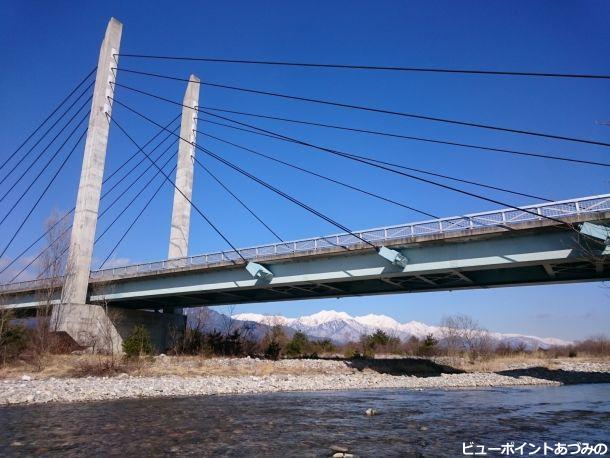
[[409, 423]]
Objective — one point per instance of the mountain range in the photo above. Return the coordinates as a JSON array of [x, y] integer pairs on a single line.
[[342, 327]]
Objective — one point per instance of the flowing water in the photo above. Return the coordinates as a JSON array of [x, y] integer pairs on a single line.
[[409, 423]]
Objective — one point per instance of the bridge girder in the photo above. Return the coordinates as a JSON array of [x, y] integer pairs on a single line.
[[493, 258]]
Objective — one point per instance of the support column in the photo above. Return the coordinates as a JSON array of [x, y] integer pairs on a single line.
[[87, 202], [181, 212]]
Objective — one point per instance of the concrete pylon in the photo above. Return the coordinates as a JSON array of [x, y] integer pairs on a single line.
[[73, 316], [89, 189], [181, 213], [100, 326]]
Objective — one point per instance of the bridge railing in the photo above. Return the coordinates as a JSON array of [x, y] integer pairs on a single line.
[[504, 217]]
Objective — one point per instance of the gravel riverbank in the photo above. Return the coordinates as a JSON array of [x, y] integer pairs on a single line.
[[169, 376], [125, 386]]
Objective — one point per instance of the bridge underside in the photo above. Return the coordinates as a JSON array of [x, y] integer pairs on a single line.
[[441, 281], [521, 257]]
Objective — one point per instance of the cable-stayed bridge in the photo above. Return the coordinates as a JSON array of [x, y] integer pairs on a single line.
[[549, 242], [491, 249]]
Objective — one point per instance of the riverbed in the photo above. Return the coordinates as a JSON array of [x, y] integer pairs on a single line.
[[409, 422], [178, 377]]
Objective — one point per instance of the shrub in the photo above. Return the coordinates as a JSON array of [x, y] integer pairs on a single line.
[[13, 340], [138, 343], [191, 342], [350, 349], [98, 368], [378, 338], [411, 346], [273, 350], [324, 346], [428, 346], [233, 344], [298, 345]]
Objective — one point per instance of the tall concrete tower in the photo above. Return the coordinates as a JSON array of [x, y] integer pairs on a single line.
[[90, 325], [181, 213], [88, 198]]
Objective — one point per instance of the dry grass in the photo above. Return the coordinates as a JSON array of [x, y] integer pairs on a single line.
[[498, 363], [187, 366], [60, 366]]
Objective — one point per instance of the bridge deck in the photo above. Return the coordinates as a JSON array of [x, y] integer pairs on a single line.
[[469, 232]]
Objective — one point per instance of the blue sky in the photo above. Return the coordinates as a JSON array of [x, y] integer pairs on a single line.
[[48, 47]]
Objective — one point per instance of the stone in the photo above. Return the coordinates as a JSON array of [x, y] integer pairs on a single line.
[[371, 412], [339, 448], [26, 378], [41, 390]]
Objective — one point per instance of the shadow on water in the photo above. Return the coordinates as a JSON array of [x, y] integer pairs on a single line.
[[402, 366], [558, 375]]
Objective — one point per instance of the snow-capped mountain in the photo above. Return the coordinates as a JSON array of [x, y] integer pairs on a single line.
[[208, 320], [342, 327]]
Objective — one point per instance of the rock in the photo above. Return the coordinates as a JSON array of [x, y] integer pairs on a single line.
[[338, 448], [423, 428], [371, 412], [26, 378]]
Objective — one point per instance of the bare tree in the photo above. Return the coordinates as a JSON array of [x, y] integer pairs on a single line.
[[462, 334], [192, 339], [6, 315], [596, 345], [275, 338], [51, 269], [228, 320]]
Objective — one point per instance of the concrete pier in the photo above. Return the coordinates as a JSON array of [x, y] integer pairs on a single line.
[[103, 329]]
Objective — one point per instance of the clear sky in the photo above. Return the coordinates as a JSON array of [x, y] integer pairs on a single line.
[[47, 47]]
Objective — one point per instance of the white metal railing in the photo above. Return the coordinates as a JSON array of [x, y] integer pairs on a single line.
[[507, 216]]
